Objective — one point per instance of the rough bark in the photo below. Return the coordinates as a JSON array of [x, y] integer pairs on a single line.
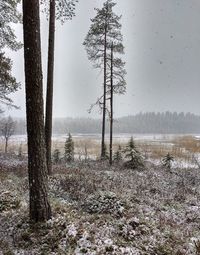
[[111, 107], [49, 94], [39, 204], [103, 152]]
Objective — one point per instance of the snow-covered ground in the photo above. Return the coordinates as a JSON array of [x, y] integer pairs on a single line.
[[98, 210]]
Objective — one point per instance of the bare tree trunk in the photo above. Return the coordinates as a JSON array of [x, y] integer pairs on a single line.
[[39, 205], [49, 95], [6, 146], [103, 152], [111, 107]]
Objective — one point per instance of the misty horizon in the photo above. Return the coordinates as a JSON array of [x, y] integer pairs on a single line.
[[98, 117], [142, 123]]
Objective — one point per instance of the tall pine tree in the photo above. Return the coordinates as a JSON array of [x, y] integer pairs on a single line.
[[39, 204], [116, 83], [62, 10], [103, 31]]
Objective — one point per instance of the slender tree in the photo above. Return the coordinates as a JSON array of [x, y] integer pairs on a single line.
[[7, 130], [62, 10], [111, 107], [117, 85], [20, 151], [39, 205], [103, 145], [98, 41], [49, 94]]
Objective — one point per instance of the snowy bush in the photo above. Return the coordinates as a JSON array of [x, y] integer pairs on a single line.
[[8, 201], [104, 202]]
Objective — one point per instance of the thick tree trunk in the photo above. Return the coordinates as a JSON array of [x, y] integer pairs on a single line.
[[103, 152], [39, 204], [49, 94], [111, 107]]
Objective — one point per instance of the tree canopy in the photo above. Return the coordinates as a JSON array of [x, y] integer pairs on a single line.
[[65, 9], [8, 15], [8, 83]]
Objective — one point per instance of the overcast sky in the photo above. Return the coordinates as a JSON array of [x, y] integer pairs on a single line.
[[162, 46]]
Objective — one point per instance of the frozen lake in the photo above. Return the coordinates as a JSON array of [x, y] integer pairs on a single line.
[[158, 138]]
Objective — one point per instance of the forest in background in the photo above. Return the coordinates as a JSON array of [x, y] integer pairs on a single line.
[[151, 122]]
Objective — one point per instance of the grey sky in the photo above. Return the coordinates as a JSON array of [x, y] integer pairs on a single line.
[[162, 44]]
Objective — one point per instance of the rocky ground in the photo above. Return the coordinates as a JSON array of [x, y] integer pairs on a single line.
[[103, 210]]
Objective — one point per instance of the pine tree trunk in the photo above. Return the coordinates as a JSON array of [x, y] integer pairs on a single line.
[[111, 107], [49, 95], [104, 97], [39, 205]]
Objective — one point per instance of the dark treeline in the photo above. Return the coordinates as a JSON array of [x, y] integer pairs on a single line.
[[162, 123], [151, 122]]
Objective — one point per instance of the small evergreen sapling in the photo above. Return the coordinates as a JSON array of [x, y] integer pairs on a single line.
[[69, 149], [167, 161], [56, 156], [133, 156], [118, 155]]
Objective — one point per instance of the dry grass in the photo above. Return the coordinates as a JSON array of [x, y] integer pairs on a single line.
[[184, 147], [159, 151], [190, 143]]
